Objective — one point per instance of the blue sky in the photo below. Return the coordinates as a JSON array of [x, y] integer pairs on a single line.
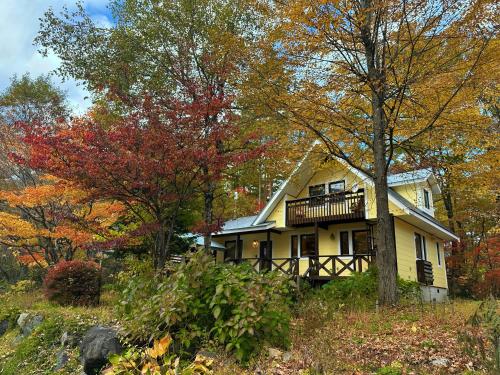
[[19, 23]]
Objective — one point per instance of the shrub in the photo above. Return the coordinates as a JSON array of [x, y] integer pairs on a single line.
[[481, 339], [156, 360], [357, 290], [75, 282], [231, 305], [409, 291]]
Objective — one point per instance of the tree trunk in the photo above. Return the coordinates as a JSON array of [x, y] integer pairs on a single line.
[[208, 215], [386, 243], [159, 255]]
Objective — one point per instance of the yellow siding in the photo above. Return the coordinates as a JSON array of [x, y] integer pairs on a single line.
[[406, 255], [409, 192]]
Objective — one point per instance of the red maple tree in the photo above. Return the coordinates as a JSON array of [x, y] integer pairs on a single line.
[[151, 160]]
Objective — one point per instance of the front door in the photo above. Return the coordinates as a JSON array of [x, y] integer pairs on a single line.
[[265, 256]]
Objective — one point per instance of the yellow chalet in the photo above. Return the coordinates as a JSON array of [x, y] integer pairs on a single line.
[[320, 225]]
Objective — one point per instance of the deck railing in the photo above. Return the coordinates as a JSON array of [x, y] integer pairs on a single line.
[[336, 207], [322, 267]]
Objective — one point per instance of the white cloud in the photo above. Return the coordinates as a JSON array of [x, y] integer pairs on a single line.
[[19, 24]]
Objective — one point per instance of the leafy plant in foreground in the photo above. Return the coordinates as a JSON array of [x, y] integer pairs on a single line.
[[230, 305]]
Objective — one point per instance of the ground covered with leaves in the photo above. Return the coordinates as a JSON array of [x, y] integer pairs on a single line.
[[415, 339]]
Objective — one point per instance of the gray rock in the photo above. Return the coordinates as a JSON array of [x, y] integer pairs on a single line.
[[440, 362], [4, 326], [287, 356], [61, 360], [275, 353], [28, 323], [97, 345], [68, 340]]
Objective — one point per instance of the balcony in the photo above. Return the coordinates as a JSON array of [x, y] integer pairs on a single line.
[[328, 208]]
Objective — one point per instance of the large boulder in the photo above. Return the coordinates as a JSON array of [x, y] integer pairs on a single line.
[[4, 326], [28, 322], [97, 345]]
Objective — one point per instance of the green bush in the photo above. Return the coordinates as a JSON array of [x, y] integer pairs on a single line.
[[357, 290], [232, 305]]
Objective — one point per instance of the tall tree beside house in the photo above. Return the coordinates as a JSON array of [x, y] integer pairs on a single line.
[[369, 77], [164, 48]]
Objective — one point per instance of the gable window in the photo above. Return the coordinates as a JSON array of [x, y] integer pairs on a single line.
[[360, 244], [427, 199], [344, 243], [316, 191], [307, 244], [438, 251], [336, 187], [294, 246]]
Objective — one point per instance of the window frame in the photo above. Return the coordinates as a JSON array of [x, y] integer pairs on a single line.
[[300, 244], [367, 240], [336, 182], [423, 246], [296, 237], [235, 249], [317, 186], [427, 199], [348, 243], [438, 252]]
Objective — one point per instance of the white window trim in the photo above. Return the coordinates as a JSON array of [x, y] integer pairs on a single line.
[[299, 245], [350, 240], [423, 246]]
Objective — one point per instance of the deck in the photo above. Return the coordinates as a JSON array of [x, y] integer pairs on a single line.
[[328, 208], [317, 268]]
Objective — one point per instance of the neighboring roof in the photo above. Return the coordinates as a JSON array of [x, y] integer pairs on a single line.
[[422, 214], [244, 224], [200, 241], [240, 222], [408, 177], [413, 177]]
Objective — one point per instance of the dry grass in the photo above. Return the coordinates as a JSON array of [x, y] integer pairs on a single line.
[[406, 339]]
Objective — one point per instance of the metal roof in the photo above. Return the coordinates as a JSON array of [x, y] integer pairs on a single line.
[[406, 177]]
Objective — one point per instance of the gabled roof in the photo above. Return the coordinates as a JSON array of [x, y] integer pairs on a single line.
[[258, 222], [199, 240]]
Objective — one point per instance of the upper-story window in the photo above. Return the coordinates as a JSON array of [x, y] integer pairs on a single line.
[[316, 190], [336, 187], [427, 199]]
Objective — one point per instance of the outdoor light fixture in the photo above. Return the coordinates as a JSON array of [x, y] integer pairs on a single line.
[[255, 244]]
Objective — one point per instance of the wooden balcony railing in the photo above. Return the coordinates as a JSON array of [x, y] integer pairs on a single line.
[[339, 207], [322, 267]]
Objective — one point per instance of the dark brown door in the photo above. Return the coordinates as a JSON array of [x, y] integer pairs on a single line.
[[265, 256]]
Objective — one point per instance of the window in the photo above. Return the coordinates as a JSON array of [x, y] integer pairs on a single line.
[[418, 246], [230, 252], [336, 187], [307, 245], [427, 200], [360, 240], [294, 246], [316, 190], [344, 243], [438, 251]]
